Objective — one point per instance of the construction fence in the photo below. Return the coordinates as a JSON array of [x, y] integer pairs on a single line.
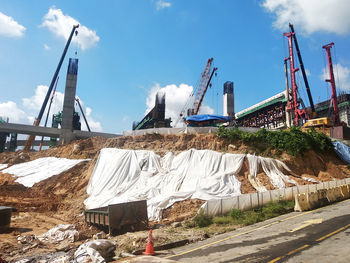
[[243, 202]]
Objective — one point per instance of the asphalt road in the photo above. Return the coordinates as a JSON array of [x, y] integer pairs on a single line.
[[321, 235]]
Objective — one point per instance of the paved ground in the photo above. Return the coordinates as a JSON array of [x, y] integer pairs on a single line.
[[321, 235]]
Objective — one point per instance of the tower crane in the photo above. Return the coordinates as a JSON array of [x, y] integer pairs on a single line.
[[202, 88]]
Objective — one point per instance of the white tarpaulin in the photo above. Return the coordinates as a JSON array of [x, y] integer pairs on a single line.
[[60, 233], [127, 175], [30, 173]]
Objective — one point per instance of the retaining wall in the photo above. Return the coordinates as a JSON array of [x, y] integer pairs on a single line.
[[249, 201]]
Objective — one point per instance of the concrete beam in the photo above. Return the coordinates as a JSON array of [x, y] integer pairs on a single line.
[[51, 132], [30, 130]]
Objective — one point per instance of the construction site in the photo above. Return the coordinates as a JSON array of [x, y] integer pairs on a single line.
[[62, 188]]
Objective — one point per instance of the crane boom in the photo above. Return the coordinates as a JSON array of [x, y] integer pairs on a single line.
[[43, 106], [202, 87], [298, 113], [303, 70]]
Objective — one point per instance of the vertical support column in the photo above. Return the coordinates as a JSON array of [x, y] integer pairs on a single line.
[[69, 100], [228, 99]]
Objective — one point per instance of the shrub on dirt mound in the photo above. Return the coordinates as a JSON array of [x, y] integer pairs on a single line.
[[293, 141]]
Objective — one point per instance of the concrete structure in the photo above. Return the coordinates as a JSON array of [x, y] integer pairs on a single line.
[[228, 99], [51, 132], [325, 109], [269, 114], [69, 100]]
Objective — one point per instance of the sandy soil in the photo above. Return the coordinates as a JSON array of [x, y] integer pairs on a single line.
[[59, 199]]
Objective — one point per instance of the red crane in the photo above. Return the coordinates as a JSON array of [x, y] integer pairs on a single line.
[[336, 120], [202, 88], [294, 104]]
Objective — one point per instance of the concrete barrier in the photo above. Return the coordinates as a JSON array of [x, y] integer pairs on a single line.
[[345, 191], [301, 203], [306, 197], [312, 199], [330, 195], [322, 197], [337, 193]]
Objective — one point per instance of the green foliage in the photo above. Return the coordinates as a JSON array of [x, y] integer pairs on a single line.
[[294, 141], [189, 224], [222, 220], [238, 217], [202, 220], [236, 214]]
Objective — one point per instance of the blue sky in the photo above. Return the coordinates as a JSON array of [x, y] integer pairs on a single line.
[[128, 50]]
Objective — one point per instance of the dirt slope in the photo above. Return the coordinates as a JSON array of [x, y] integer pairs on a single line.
[[61, 197]]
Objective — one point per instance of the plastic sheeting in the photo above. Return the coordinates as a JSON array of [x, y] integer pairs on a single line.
[[3, 165], [32, 172], [207, 117], [126, 175], [60, 233], [343, 151], [96, 251]]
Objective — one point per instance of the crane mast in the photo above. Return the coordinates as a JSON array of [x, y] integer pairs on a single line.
[[298, 113], [332, 81], [303, 70], [31, 138]]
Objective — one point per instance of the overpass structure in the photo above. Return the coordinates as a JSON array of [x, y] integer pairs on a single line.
[[66, 135]]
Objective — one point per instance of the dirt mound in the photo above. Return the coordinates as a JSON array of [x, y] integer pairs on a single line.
[[64, 193], [61, 196]]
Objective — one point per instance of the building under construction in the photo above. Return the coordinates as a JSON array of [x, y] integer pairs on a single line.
[[271, 113]]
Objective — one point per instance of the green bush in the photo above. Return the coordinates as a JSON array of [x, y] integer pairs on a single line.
[[222, 220], [236, 214], [202, 220], [294, 142], [253, 216]]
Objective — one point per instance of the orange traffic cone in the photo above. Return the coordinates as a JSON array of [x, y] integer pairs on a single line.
[[149, 247]]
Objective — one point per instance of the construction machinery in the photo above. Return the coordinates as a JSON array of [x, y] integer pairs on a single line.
[[294, 104], [331, 80], [38, 119], [334, 120], [155, 118], [312, 114], [204, 83]]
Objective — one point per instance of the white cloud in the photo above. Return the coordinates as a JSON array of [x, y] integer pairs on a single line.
[[46, 47], [16, 115], [61, 25], [162, 4], [308, 73], [31, 106], [341, 76], [175, 99], [95, 126], [309, 16], [9, 27]]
